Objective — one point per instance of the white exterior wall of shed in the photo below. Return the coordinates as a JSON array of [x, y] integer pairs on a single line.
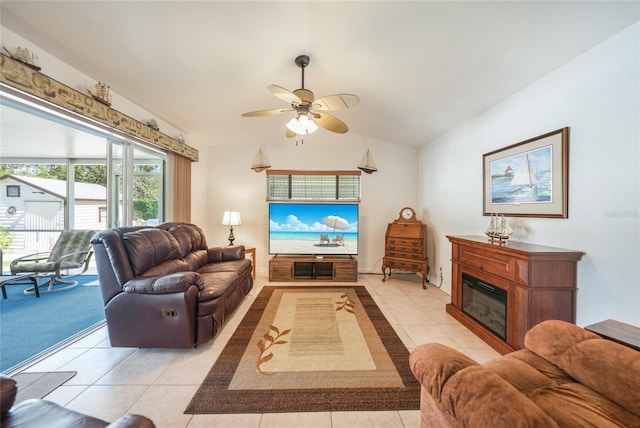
[[35, 209], [90, 215]]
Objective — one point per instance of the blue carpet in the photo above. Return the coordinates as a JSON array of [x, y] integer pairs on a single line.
[[30, 325]]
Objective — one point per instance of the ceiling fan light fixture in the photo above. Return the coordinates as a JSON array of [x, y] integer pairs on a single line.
[[302, 124]]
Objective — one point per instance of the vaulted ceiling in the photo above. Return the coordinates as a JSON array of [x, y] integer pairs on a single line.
[[420, 68]]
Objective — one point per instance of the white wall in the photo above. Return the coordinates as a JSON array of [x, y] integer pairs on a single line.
[[233, 185], [597, 95], [63, 73]]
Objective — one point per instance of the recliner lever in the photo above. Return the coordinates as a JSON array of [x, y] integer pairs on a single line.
[[169, 313]]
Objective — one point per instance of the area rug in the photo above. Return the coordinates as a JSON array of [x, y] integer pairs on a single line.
[[39, 384], [310, 349]]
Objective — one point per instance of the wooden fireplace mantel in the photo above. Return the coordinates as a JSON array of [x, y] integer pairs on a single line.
[[540, 283]]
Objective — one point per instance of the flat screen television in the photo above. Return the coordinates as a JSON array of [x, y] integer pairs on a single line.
[[313, 228]]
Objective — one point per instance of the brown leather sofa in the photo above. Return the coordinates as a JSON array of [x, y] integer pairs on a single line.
[[565, 377], [164, 288], [41, 413]]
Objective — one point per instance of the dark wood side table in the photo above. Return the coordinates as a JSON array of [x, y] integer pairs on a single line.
[[252, 252], [617, 331]]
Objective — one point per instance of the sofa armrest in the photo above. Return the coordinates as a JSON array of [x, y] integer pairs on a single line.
[[224, 254], [132, 421], [433, 364], [8, 391], [165, 284]]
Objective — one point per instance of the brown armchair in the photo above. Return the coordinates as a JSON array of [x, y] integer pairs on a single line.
[[565, 376]]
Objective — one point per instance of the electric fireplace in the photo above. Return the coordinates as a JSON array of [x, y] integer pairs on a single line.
[[500, 291], [485, 303]]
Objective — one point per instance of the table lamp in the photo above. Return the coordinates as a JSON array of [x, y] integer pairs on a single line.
[[231, 218]]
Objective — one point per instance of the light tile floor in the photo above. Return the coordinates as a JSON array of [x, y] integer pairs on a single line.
[[159, 383]]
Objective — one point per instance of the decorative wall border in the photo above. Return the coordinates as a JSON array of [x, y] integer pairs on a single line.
[[26, 79]]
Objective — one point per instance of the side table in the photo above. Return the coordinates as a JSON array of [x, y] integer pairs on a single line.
[[252, 252], [617, 331]]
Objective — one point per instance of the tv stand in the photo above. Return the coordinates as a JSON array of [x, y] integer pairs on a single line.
[[310, 268]]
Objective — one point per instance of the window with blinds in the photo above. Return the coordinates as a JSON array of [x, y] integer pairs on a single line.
[[313, 185]]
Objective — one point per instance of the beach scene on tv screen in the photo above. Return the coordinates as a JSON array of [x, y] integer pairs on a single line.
[[313, 229]]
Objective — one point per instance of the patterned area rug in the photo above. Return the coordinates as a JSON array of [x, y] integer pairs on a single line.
[[310, 349]]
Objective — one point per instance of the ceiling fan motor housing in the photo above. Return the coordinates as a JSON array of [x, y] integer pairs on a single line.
[[302, 61]]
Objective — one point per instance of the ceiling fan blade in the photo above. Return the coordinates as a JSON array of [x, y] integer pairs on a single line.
[[330, 123], [336, 102], [285, 95], [290, 134], [266, 112]]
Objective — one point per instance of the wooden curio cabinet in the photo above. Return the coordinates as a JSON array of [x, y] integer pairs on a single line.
[[406, 246]]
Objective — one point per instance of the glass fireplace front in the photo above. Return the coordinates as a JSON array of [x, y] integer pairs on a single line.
[[485, 303]]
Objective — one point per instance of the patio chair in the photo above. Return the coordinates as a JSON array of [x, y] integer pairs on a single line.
[[339, 239], [70, 256], [324, 239]]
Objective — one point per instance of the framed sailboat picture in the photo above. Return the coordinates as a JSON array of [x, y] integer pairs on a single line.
[[528, 179]]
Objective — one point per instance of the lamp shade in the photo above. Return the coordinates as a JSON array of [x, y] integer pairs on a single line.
[[302, 125], [231, 218]]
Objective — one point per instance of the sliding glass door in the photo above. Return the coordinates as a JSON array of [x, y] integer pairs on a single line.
[[59, 171]]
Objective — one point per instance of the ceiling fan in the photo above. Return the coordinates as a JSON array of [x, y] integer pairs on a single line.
[[310, 112]]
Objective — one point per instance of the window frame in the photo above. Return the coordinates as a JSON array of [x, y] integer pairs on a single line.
[[11, 190], [290, 175]]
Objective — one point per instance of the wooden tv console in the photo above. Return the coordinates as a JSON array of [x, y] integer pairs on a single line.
[[540, 282], [310, 268]]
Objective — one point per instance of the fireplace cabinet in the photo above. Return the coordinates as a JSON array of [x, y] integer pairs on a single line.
[[540, 284]]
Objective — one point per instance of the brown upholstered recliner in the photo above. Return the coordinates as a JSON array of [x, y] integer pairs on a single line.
[[565, 377], [42, 413], [164, 288]]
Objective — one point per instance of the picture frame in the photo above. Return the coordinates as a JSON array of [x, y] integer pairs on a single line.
[[529, 178]]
